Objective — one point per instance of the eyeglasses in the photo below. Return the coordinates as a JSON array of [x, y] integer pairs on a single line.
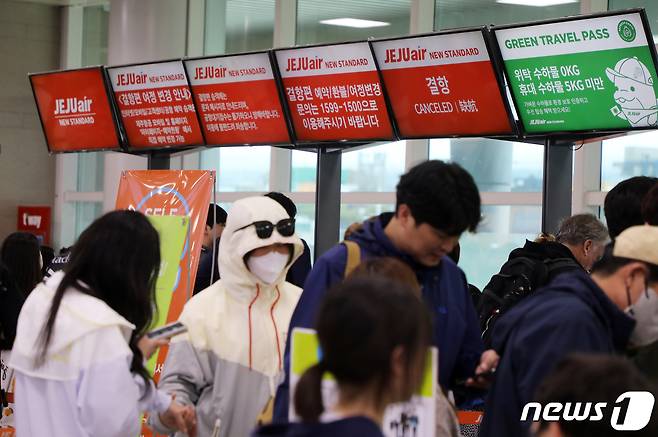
[[264, 228]]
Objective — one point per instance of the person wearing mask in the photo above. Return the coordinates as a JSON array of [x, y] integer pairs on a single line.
[[381, 366], [623, 204], [435, 203], [229, 362], [301, 268], [80, 348], [575, 313], [11, 302], [21, 255], [579, 379], [208, 272]]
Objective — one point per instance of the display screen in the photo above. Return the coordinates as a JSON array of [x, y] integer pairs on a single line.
[[442, 85], [334, 93], [75, 110], [155, 104], [238, 100], [594, 73]]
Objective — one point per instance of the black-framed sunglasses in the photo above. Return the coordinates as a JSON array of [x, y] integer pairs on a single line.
[[264, 228]]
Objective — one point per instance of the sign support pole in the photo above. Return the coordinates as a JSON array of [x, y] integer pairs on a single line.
[[327, 200], [159, 161], [556, 192]]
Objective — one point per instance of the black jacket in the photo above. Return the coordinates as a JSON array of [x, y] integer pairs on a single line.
[[571, 315]]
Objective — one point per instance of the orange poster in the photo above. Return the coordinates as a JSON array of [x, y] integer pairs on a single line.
[[172, 192]]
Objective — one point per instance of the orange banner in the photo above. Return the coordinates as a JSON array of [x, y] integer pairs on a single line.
[[172, 192]]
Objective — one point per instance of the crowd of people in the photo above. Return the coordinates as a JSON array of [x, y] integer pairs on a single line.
[[570, 319]]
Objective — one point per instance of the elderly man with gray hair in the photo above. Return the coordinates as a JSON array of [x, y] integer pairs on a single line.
[[579, 243], [585, 237]]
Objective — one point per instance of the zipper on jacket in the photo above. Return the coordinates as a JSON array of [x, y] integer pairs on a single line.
[[276, 330], [250, 305]]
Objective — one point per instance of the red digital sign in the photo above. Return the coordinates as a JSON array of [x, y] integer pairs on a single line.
[[238, 100], [75, 110], [156, 105], [443, 85], [334, 93]]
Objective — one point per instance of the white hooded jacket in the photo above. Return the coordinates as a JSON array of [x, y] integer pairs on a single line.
[[229, 363], [85, 387]]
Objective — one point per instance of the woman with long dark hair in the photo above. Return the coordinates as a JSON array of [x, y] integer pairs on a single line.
[[79, 352], [374, 335], [21, 255]]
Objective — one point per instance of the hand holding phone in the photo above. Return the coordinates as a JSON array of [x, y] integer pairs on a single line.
[[167, 331]]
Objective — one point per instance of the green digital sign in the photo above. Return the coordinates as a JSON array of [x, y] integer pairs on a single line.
[[595, 73]]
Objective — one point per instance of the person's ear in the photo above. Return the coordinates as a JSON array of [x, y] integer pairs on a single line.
[[404, 215], [207, 230], [588, 246]]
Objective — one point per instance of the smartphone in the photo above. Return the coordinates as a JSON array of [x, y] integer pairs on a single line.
[[480, 377], [167, 331]]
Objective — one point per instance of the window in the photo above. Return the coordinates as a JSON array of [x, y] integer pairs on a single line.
[[239, 168], [373, 169], [462, 13], [359, 212], [96, 20], [305, 223], [503, 229], [628, 156], [389, 18], [233, 26], [651, 6], [90, 171], [85, 214], [490, 161], [304, 171]]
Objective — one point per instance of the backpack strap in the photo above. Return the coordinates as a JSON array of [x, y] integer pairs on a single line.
[[353, 256]]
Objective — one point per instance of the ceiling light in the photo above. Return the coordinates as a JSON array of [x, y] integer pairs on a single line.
[[354, 22], [537, 3]]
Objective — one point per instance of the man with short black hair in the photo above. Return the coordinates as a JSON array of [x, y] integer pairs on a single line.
[[208, 271], [576, 313], [436, 202], [622, 204]]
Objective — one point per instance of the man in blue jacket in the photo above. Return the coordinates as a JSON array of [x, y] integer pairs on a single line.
[[435, 203], [575, 313]]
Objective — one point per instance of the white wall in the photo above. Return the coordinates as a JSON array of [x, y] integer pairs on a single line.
[[29, 42]]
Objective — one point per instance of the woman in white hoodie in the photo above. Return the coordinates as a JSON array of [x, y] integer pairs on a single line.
[[78, 366], [229, 362]]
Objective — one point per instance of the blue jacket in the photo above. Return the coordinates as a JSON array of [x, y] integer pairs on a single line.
[[349, 427], [570, 315], [456, 328]]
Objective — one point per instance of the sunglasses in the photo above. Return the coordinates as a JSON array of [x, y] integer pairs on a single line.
[[264, 229]]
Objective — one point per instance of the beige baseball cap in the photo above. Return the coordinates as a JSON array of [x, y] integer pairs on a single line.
[[639, 243]]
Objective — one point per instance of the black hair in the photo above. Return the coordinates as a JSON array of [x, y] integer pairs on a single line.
[[622, 205], [593, 378], [360, 323], [284, 201], [650, 206], [442, 195], [609, 264], [216, 215], [11, 302], [47, 256], [117, 260], [20, 254]]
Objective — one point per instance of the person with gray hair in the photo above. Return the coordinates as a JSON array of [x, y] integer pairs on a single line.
[[585, 236]]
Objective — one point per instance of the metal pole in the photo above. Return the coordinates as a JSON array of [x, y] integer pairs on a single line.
[[327, 201], [159, 161], [556, 194]]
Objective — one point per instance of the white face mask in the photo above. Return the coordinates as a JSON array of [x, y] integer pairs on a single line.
[[645, 313], [268, 267]]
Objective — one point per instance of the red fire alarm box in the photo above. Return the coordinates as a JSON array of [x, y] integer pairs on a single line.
[[35, 220]]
